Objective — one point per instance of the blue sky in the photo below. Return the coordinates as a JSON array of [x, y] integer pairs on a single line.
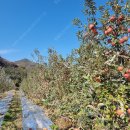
[[42, 24]]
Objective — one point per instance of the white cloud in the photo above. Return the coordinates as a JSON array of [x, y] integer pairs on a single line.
[[6, 51]]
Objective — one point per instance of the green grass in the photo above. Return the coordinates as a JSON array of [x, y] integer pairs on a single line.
[[13, 118]]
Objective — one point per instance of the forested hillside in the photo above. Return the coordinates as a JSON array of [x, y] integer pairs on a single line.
[[11, 75]]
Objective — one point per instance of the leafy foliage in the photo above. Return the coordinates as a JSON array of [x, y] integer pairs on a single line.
[[5, 82], [88, 87]]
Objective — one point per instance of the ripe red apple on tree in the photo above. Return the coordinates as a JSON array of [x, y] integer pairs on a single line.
[[125, 38], [122, 28], [128, 111], [128, 30], [112, 18], [120, 68], [106, 32], [119, 112], [113, 43], [126, 75], [91, 26], [121, 18], [128, 71], [109, 29], [45, 129], [97, 79], [121, 41], [128, 79]]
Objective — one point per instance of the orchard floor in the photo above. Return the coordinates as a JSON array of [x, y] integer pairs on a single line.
[[21, 114]]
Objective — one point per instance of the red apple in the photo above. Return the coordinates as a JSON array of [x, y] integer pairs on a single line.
[[109, 30], [125, 38], [118, 21], [45, 129], [128, 71], [106, 32], [128, 111], [120, 68], [119, 112], [126, 75], [121, 41], [113, 44], [91, 26], [128, 30], [128, 79], [121, 17], [123, 28], [112, 18]]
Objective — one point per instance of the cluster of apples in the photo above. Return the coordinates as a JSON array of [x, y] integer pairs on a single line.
[[110, 30], [92, 27], [126, 75], [112, 19], [119, 19], [120, 41], [120, 112]]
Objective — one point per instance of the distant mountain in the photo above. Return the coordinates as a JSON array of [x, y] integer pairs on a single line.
[[5, 63], [15, 72], [25, 63]]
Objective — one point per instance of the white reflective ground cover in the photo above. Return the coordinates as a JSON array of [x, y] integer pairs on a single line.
[[33, 116], [4, 105]]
